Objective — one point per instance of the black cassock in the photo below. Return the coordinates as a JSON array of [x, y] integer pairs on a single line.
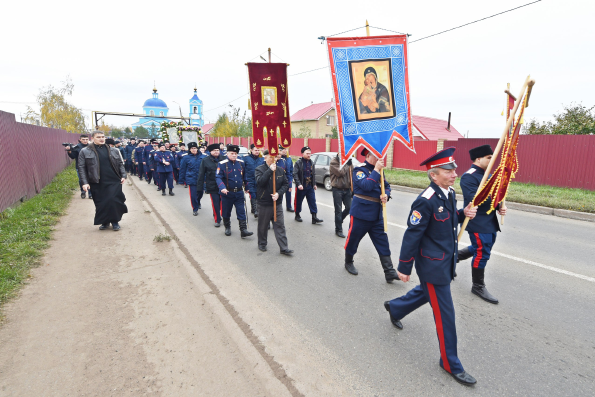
[[107, 194]]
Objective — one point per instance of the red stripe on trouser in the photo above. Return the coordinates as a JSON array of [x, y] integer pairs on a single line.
[[439, 328], [190, 194], [349, 232], [213, 205], [479, 255], [295, 199]]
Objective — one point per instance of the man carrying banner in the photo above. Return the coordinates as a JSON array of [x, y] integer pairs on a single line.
[[366, 215], [483, 228], [430, 242], [304, 175]]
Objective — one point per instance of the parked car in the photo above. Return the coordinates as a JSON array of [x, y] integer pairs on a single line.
[[322, 162]]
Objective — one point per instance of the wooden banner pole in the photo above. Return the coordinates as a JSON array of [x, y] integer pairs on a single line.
[[528, 82]]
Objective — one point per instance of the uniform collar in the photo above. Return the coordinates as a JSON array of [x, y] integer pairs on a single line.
[[442, 193], [478, 169], [368, 166]]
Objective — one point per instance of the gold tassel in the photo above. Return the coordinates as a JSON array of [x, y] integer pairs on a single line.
[[249, 106]]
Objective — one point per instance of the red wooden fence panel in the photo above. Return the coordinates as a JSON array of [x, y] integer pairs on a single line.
[[462, 153], [296, 146], [317, 145], [30, 157], [334, 145], [405, 158]]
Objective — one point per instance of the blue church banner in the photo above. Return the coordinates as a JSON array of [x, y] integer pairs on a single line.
[[371, 90]]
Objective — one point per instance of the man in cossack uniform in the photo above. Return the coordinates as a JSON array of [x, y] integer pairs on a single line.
[[304, 175], [483, 228], [207, 173], [366, 215], [189, 170], [164, 165], [139, 159], [231, 179], [148, 149], [430, 242]]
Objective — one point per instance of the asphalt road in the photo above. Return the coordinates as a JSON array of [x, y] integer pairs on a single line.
[[538, 341]]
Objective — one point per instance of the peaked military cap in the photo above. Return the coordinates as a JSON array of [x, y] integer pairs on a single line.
[[442, 159]]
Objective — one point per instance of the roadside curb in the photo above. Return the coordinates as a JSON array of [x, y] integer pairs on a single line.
[[581, 216]]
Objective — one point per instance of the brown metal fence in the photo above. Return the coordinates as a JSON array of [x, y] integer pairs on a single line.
[[30, 157]]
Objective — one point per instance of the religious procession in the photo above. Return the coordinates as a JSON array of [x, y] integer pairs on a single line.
[[212, 306]]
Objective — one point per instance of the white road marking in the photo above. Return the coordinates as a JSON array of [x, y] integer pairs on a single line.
[[514, 258]]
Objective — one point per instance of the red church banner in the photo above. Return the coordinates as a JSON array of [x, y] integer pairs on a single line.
[[270, 105]]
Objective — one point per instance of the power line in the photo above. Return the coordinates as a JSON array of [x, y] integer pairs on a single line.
[[479, 20], [308, 71], [225, 104]]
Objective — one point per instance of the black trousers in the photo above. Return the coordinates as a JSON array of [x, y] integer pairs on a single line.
[[341, 197], [265, 216]]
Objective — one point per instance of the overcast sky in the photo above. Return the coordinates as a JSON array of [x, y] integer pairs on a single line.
[[114, 50]]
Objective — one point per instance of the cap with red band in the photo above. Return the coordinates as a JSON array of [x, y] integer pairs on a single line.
[[442, 159]]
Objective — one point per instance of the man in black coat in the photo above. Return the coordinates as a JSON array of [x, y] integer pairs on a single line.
[[207, 173], [266, 198]]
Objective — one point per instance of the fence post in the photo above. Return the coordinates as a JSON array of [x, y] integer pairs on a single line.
[[328, 143], [305, 142], [440, 145], [389, 155]]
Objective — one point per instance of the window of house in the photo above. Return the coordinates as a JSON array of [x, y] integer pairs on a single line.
[[152, 113], [330, 120]]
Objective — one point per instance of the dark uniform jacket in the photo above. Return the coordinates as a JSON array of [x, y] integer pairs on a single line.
[[190, 168], [298, 173], [231, 175], [366, 182], [264, 184], [288, 167], [139, 155], [128, 151], [483, 222], [431, 237], [207, 173], [251, 163], [164, 157], [88, 164]]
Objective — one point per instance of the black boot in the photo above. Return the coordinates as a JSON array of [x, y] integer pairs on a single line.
[[315, 220], [227, 224], [244, 229], [479, 287], [171, 192], [349, 265], [298, 217], [162, 192], [464, 254], [390, 273], [252, 206]]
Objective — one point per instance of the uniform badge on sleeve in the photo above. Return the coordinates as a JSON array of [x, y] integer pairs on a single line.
[[360, 175], [415, 218]]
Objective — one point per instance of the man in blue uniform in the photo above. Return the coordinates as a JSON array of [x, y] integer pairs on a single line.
[[251, 161], [139, 159], [179, 155], [430, 242], [152, 174], [288, 167], [130, 166], [164, 165], [231, 179], [175, 165], [304, 176], [366, 215], [207, 173], [483, 228], [189, 170]]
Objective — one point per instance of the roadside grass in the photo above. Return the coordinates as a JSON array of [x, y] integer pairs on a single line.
[[164, 237], [25, 231], [525, 193]]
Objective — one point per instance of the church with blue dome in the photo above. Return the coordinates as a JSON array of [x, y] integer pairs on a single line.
[[157, 107]]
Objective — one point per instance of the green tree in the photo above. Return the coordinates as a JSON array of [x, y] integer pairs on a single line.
[[335, 132], [232, 124], [574, 120], [55, 111], [154, 131], [141, 132], [303, 132]]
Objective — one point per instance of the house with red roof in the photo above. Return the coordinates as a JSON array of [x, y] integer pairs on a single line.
[[206, 129], [320, 118], [317, 119]]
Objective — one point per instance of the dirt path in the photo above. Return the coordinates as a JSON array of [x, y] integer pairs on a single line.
[[118, 314]]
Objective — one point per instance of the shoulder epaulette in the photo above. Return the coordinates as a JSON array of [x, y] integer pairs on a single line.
[[471, 171], [428, 193], [184, 154], [240, 160], [223, 161]]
